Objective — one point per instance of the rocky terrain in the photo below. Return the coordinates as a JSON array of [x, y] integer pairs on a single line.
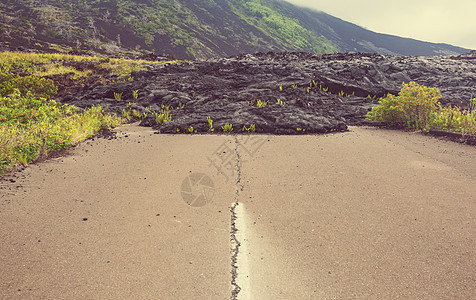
[[304, 92]]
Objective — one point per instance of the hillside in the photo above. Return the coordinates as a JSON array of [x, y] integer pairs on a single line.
[[185, 29], [190, 29]]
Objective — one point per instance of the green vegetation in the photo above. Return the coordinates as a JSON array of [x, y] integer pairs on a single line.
[[118, 96], [278, 26], [454, 118], [32, 125], [252, 128], [162, 116], [417, 107], [210, 123], [227, 128], [138, 115], [127, 114], [188, 26], [191, 130], [411, 108], [135, 94], [63, 64], [40, 87], [314, 84], [259, 103]]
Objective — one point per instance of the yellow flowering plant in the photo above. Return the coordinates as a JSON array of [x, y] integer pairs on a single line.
[[411, 108]]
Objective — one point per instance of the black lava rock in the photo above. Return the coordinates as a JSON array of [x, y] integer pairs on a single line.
[[303, 91]]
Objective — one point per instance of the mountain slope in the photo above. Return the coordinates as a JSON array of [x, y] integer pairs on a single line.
[[348, 37], [183, 28], [190, 28]]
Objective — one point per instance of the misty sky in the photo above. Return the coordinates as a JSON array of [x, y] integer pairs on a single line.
[[439, 21]]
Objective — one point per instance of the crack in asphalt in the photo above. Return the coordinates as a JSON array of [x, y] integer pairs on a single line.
[[235, 243]]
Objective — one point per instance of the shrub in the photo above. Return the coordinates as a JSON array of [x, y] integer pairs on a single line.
[[40, 87], [24, 109], [31, 127], [412, 107], [453, 118], [25, 143]]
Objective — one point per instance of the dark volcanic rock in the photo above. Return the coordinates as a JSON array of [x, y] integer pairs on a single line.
[[320, 93], [375, 74]]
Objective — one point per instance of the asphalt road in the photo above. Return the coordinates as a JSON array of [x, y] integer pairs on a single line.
[[366, 214]]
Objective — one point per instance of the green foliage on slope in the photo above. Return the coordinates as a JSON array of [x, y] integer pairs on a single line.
[[183, 28], [267, 18]]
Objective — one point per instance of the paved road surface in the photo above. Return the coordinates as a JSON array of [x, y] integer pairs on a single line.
[[366, 214]]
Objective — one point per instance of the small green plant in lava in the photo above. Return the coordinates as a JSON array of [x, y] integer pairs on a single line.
[[227, 128], [210, 123], [261, 103], [117, 96], [191, 130], [252, 128]]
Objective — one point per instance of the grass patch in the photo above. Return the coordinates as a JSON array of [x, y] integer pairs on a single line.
[[53, 64], [39, 86], [31, 124], [32, 127]]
